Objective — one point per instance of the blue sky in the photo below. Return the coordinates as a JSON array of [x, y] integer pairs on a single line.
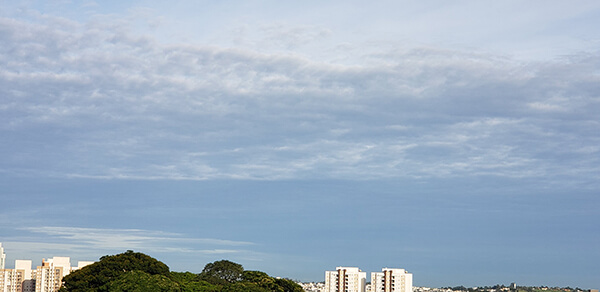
[[456, 139]]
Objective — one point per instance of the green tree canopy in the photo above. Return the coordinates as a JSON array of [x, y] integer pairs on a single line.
[[138, 281], [96, 276], [190, 282], [137, 272], [222, 272]]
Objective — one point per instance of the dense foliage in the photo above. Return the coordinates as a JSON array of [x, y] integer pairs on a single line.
[[222, 272], [97, 276], [135, 272], [138, 281], [503, 288]]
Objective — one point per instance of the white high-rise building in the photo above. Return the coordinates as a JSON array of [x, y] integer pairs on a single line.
[[391, 280], [2, 257], [18, 279], [28, 284], [49, 275], [345, 279], [11, 280], [81, 264], [46, 278]]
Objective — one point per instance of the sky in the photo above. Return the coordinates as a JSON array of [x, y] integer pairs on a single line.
[[459, 140]]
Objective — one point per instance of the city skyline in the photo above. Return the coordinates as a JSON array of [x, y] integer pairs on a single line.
[[456, 139], [27, 267]]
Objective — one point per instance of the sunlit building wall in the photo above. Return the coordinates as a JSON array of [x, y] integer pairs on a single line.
[[345, 279], [28, 284], [50, 274], [2, 257], [11, 280], [18, 279], [391, 280]]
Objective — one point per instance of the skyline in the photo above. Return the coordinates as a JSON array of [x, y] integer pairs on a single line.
[[457, 140]]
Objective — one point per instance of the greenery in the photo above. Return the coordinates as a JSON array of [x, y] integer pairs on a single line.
[[138, 281], [137, 272], [222, 272], [98, 276], [503, 288]]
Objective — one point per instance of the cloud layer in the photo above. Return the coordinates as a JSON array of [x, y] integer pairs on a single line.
[[209, 130], [94, 100]]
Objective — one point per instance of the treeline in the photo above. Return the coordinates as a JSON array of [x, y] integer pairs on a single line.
[[550, 289], [137, 272], [499, 288]]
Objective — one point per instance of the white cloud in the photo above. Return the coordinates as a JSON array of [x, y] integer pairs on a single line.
[[109, 103], [95, 242], [119, 239], [92, 243]]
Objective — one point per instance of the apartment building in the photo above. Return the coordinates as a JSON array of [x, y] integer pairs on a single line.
[[17, 279], [11, 280], [391, 280], [28, 284], [48, 276], [345, 279], [2, 257]]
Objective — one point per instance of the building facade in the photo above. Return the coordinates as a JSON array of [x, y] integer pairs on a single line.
[[391, 280], [345, 279], [28, 284], [18, 279], [2, 257], [49, 275], [11, 280], [46, 278]]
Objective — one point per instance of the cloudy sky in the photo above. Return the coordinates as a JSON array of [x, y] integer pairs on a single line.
[[459, 140]]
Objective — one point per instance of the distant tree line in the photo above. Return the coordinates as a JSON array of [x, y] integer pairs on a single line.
[[499, 287], [137, 272]]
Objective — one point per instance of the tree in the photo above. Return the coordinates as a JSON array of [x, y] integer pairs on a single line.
[[288, 285], [137, 272], [222, 272], [96, 276], [190, 282], [269, 283], [138, 281], [244, 287]]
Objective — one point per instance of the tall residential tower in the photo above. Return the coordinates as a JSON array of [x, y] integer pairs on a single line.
[[49, 275], [391, 280], [345, 279], [2, 257]]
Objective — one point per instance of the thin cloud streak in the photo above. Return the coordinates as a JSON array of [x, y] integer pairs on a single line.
[[81, 243], [124, 238]]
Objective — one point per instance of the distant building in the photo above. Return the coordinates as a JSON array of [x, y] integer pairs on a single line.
[[17, 279], [49, 275], [312, 286], [81, 264], [28, 284], [2, 257], [345, 279], [11, 280], [46, 278], [391, 280]]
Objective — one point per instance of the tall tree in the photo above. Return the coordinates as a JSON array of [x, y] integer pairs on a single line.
[[96, 276], [222, 272]]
